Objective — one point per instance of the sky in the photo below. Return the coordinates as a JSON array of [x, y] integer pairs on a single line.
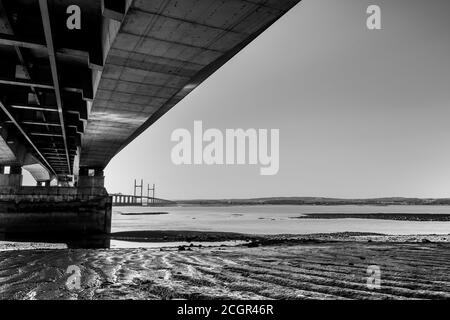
[[361, 113]]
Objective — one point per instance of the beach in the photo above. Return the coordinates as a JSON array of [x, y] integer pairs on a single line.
[[298, 267]]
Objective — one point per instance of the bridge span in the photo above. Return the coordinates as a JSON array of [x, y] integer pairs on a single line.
[[80, 79], [125, 200]]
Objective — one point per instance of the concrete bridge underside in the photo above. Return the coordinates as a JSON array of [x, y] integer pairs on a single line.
[[70, 99]]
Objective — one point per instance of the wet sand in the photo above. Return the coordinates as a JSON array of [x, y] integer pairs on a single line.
[[380, 216], [276, 267], [180, 235], [141, 213]]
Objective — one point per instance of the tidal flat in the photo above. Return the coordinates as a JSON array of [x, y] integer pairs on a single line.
[[282, 267]]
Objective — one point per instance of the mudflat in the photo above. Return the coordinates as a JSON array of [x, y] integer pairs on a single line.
[[285, 267], [380, 216]]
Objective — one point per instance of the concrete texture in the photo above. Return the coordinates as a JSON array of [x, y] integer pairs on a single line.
[[74, 98], [6, 155], [88, 182], [11, 180], [48, 211], [162, 51]]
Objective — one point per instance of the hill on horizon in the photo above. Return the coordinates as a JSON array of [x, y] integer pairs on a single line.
[[319, 201]]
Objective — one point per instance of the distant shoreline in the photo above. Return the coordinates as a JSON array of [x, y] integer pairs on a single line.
[[314, 201]]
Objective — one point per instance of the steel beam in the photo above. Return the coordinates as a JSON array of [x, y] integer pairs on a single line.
[[19, 127], [34, 107], [25, 83], [47, 135], [35, 123], [84, 87], [9, 30], [14, 41], [82, 114], [18, 48], [11, 40], [43, 5]]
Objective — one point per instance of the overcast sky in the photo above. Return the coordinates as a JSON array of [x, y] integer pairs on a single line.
[[361, 113]]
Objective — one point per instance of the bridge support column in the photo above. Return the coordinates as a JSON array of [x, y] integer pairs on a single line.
[[63, 213], [13, 178], [97, 180]]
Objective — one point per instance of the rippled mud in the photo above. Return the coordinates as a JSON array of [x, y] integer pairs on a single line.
[[336, 270]]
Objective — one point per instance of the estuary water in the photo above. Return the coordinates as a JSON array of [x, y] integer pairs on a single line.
[[276, 219]]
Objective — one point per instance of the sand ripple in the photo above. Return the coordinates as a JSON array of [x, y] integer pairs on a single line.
[[307, 271]]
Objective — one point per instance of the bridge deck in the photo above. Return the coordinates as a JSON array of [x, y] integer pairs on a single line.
[[164, 49], [119, 199], [73, 98]]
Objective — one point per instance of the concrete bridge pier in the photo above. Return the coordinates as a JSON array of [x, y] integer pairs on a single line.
[[91, 178], [11, 179], [59, 213]]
